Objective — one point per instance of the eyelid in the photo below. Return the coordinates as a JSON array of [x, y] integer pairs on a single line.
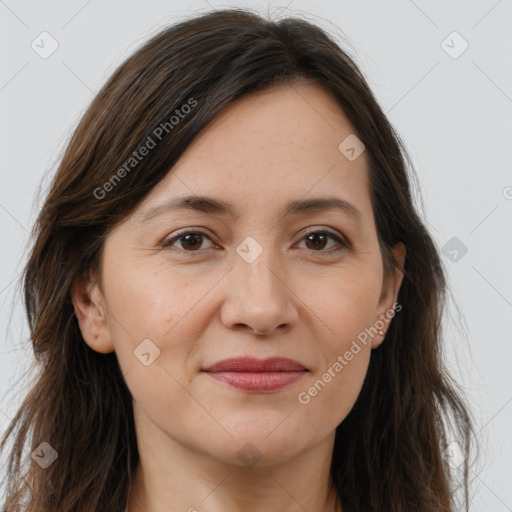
[[315, 229]]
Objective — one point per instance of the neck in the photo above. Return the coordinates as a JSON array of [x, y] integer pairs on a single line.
[[171, 477]]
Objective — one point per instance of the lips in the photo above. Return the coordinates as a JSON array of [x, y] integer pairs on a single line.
[[253, 365], [257, 375]]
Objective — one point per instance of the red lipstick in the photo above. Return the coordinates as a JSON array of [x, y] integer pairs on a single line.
[[257, 375]]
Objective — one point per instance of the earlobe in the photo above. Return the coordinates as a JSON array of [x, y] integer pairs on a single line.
[[91, 314], [389, 295]]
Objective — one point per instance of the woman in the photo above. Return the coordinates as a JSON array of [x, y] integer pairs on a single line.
[[232, 299]]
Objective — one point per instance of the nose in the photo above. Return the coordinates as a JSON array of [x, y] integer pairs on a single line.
[[258, 299]]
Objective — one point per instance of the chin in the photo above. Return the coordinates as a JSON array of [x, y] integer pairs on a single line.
[[256, 448]]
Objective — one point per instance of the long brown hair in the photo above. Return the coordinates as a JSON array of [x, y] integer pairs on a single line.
[[388, 452]]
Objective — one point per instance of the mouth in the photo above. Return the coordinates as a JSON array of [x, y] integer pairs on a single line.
[[257, 375]]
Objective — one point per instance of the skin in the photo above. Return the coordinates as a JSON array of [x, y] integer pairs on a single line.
[[298, 299]]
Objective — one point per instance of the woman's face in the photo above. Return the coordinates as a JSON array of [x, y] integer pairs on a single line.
[[249, 281]]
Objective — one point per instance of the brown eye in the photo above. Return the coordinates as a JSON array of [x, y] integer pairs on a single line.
[[191, 241], [317, 240]]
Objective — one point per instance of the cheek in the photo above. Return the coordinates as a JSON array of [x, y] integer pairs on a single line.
[[140, 300], [332, 390], [165, 401], [347, 309], [157, 305], [344, 305]]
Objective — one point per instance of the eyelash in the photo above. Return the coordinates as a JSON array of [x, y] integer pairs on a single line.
[[344, 244]]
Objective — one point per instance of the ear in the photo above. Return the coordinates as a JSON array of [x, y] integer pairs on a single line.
[[389, 294], [91, 312]]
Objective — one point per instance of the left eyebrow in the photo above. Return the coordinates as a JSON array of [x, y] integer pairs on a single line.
[[216, 206]]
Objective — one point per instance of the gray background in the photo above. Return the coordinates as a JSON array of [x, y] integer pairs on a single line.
[[454, 115]]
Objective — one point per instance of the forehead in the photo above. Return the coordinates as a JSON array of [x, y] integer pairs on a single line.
[[272, 147]]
